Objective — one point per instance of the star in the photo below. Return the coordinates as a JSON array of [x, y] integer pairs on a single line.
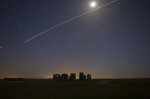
[[19, 25], [9, 16]]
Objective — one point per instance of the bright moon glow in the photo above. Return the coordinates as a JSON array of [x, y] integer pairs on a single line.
[[93, 4]]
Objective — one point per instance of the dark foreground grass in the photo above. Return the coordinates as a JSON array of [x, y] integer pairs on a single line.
[[96, 89]]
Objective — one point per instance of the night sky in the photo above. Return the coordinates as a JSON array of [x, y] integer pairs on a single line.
[[111, 42]]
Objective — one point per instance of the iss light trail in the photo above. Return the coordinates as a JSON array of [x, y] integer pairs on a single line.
[[64, 22]]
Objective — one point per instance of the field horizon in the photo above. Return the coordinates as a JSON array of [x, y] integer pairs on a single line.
[[94, 89]]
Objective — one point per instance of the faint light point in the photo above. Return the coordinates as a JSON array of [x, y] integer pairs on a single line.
[[9, 16], [102, 31], [19, 25], [31, 50]]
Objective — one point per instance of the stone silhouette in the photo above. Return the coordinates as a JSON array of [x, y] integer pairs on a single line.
[[72, 77], [64, 77], [88, 76], [56, 76], [82, 76]]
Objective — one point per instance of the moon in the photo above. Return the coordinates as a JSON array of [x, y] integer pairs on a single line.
[[93, 4]]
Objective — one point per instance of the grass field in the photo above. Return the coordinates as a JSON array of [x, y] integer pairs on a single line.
[[95, 89]]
